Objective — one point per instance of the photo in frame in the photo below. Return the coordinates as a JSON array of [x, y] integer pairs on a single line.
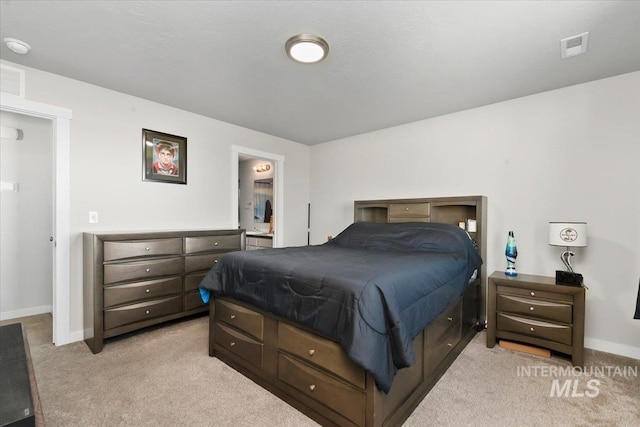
[[164, 157]]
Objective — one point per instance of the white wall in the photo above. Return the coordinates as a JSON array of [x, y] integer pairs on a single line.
[[26, 218], [106, 168], [568, 154]]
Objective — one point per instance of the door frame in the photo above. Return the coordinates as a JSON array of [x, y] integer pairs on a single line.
[[61, 136], [278, 188]]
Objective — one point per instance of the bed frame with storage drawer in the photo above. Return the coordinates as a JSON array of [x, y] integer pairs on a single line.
[[313, 374], [135, 280]]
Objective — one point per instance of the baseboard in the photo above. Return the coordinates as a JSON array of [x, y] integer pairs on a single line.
[[31, 311], [612, 347]]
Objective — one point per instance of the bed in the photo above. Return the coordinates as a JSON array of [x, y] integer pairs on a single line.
[[357, 330]]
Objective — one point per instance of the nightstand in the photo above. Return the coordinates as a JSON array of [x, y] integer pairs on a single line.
[[535, 310]]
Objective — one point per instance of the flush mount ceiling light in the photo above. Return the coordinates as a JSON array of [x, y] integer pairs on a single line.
[[307, 48], [17, 46]]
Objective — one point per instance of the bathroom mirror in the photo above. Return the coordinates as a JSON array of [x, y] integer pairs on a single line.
[[263, 199]]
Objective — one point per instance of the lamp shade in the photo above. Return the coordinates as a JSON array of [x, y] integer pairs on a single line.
[[569, 234]]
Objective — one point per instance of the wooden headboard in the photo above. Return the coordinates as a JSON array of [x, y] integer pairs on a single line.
[[446, 210]]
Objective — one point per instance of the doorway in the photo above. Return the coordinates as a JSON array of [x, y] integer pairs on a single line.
[[26, 216], [60, 119], [245, 212]]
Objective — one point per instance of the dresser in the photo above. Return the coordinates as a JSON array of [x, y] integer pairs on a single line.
[[536, 310], [135, 280]]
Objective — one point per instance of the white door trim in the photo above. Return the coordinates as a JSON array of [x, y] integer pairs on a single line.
[[61, 135], [278, 184]]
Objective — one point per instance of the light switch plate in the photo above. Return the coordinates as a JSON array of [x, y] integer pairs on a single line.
[[93, 217]]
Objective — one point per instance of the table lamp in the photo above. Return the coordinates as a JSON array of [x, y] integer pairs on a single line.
[[569, 235]]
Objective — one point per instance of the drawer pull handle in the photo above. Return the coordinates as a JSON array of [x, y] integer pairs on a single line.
[[449, 344], [148, 270], [406, 209], [450, 319], [533, 294], [312, 387], [530, 308], [147, 291], [233, 316], [147, 312], [215, 261], [311, 352], [232, 343], [215, 244], [147, 249], [531, 329]]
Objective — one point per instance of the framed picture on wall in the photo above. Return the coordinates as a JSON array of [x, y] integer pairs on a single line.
[[164, 157]]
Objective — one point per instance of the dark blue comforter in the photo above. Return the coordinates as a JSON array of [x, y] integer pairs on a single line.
[[372, 289]]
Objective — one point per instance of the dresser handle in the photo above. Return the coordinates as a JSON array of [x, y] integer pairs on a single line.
[[449, 344], [311, 352], [312, 387], [147, 311], [533, 294], [147, 249], [232, 343], [148, 270], [406, 209], [215, 261], [530, 308], [233, 316], [215, 244], [531, 329], [147, 291], [450, 319]]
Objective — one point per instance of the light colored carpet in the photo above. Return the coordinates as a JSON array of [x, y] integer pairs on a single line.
[[163, 376]]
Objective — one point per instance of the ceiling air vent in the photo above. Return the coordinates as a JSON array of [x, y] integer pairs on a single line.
[[11, 80], [575, 45]]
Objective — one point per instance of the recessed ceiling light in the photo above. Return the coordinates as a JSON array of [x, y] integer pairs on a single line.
[[307, 48], [17, 46]]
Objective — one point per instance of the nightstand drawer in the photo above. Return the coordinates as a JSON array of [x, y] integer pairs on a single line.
[[534, 328], [535, 308], [534, 294]]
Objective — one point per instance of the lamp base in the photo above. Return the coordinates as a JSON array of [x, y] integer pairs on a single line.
[[568, 278]]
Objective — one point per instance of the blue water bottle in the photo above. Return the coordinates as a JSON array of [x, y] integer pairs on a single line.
[[511, 253]]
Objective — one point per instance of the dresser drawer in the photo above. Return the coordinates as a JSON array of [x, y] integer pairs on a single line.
[[200, 262], [239, 317], [141, 248], [212, 243], [238, 344], [444, 322], [131, 292], [192, 281], [409, 210], [321, 352], [114, 273], [193, 300], [534, 328], [535, 308], [534, 294], [126, 314], [335, 394]]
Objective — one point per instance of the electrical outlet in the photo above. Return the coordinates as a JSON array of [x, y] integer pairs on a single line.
[[93, 217]]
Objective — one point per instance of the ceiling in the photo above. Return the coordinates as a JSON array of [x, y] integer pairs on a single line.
[[390, 62]]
